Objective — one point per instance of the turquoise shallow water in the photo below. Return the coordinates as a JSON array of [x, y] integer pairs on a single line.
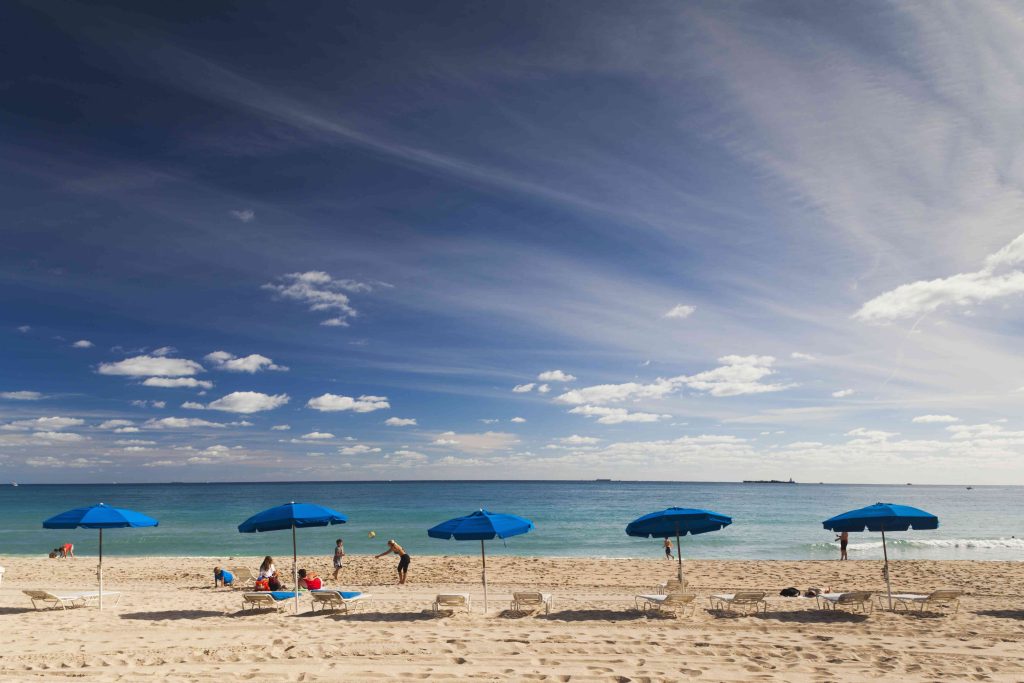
[[572, 518]]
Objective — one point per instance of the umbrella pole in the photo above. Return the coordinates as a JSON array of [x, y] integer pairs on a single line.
[[483, 558], [885, 554], [295, 569], [100, 570], [679, 556]]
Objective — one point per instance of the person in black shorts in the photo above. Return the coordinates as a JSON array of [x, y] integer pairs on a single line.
[[844, 540], [403, 559]]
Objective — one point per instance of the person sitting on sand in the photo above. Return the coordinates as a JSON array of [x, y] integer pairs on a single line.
[[668, 549], [222, 577], [403, 559], [310, 580], [269, 572]]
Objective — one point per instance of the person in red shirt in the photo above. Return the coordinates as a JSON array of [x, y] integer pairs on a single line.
[[310, 580]]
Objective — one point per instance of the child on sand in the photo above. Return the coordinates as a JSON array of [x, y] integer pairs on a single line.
[[339, 556]]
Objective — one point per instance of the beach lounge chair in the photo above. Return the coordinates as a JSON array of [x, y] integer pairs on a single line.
[[532, 602], [860, 600], [336, 600], [452, 601], [243, 576], [267, 600], [50, 600], [935, 598], [728, 602], [675, 603], [670, 586]]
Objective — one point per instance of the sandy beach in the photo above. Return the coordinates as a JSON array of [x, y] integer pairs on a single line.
[[171, 624]]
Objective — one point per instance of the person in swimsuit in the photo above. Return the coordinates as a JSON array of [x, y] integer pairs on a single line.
[[339, 556], [403, 559], [668, 550], [67, 550], [844, 540]]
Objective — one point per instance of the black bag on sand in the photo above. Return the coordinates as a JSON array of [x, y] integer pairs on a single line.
[[789, 592]]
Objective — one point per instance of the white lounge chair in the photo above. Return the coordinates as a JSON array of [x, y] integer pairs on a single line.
[[267, 600], [532, 602], [728, 602], [675, 603], [243, 576], [453, 601], [860, 600], [940, 597], [336, 600], [50, 600]]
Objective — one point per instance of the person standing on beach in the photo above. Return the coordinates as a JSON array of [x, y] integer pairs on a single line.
[[844, 540], [339, 556], [668, 549], [403, 559]]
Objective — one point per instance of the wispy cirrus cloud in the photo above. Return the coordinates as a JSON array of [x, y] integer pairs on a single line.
[[322, 293]]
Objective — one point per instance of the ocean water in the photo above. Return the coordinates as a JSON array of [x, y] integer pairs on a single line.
[[572, 518]]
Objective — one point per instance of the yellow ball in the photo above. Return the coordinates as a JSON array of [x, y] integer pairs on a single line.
[[372, 534]]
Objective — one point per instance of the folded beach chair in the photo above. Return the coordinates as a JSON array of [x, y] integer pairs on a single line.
[[860, 600], [267, 599], [727, 602], [452, 600], [65, 600], [532, 602], [675, 603], [336, 600], [935, 598], [242, 576]]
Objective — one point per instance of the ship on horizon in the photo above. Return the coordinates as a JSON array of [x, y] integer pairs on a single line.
[[768, 481]]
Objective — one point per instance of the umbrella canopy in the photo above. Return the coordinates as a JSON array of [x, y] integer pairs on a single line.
[[883, 517], [292, 516], [481, 526], [99, 517], [676, 521]]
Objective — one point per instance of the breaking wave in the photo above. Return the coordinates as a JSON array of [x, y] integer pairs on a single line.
[[981, 544]]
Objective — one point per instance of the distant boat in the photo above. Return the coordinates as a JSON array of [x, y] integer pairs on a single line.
[[14, 483], [768, 481], [602, 480], [968, 488]]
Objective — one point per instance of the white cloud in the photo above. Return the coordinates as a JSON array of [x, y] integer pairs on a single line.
[[405, 458], [843, 393], [555, 376], [141, 403], [281, 428], [797, 355], [82, 344], [180, 423], [577, 440], [614, 416], [175, 382], [614, 393], [134, 442], [248, 402], [317, 435], [222, 360], [927, 419], [64, 437], [519, 420], [358, 449], [114, 424], [363, 404], [543, 389], [24, 328], [523, 388], [321, 292], [126, 430], [737, 376], [164, 351], [43, 423], [151, 366], [400, 422], [21, 395], [680, 311], [244, 215], [478, 443], [192, 405], [999, 277]]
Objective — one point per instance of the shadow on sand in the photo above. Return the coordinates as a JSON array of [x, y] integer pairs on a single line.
[[812, 617], [15, 610], [1002, 613], [172, 615], [592, 615]]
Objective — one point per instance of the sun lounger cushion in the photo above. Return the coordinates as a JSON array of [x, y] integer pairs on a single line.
[[282, 595]]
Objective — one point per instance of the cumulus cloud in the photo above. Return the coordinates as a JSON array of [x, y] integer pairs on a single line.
[[614, 416], [614, 393], [797, 355], [523, 388], [843, 393], [244, 215], [518, 419], [400, 422], [114, 424], [543, 389], [999, 276], [281, 428], [317, 435], [180, 423], [555, 376], [151, 366], [248, 402], [927, 419], [680, 311], [192, 405], [333, 403], [320, 292], [141, 403], [405, 458], [164, 351], [82, 344], [21, 395], [477, 443], [43, 423], [63, 437], [222, 360], [357, 449], [177, 382], [135, 442], [577, 440]]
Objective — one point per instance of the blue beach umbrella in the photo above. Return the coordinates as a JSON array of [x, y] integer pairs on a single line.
[[99, 517], [481, 526], [292, 516], [677, 522], [883, 517]]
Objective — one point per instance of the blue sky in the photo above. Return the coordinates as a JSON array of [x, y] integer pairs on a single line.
[[704, 241]]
